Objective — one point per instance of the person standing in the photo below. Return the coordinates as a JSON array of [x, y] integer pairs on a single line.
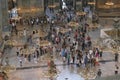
[[14, 29], [37, 53], [24, 32], [100, 53], [67, 56], [17, 53], [86, 59], [29, 57], [54, 51], [7, 61], [73, 57], [116, 57], [99, 73], [20, 62], [116, 69]]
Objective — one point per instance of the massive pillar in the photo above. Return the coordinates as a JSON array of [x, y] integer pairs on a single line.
[[84, 3], [60, 3], [3, 14], [74, 4], [45, 4]]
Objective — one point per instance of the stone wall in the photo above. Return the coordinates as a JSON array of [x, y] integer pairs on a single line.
[[30, 4], [104, 10]]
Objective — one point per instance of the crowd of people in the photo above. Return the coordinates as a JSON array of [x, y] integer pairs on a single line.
[[74, 46], [80, 43]]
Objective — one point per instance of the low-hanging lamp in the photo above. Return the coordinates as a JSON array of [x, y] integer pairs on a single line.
[[109, 3]]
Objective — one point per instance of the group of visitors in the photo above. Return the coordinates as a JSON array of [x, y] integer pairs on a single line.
[[31, 21], [75, 46], [78, 47], [32, 56]]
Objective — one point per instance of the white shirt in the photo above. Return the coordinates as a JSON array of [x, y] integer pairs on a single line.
[[54, 50], [24, 32]]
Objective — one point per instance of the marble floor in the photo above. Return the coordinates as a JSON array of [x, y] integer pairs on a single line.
[[36, 74], [35, 71], [107, 65]]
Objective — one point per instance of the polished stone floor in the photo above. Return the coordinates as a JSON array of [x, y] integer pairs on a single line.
[[35, 71]]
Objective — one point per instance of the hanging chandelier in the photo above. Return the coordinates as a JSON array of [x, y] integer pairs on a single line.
[[91, 3], [109, 3]]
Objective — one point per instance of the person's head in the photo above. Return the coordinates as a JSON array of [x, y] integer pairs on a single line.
[[99, 70], [116, 66], [6, 57]]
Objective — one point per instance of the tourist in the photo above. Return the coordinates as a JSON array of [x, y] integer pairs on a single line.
[[29, 57], [7, 61], [54, 51], [20, 62], [116, 69], [25, 58], [68, 57], [78, 62], [116, 57], [72, 57], [100, 53], [83, 46], [37, 20], [82, 62], [24, 32], [17, 53], [99, 73], [86, 59], [37, 53]]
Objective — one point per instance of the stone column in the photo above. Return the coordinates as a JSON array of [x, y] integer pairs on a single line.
[[40, 4], [60, 4], [45, 4], [74, 4], [0, 22], [3, 14], [84, 3], [19, 3]]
